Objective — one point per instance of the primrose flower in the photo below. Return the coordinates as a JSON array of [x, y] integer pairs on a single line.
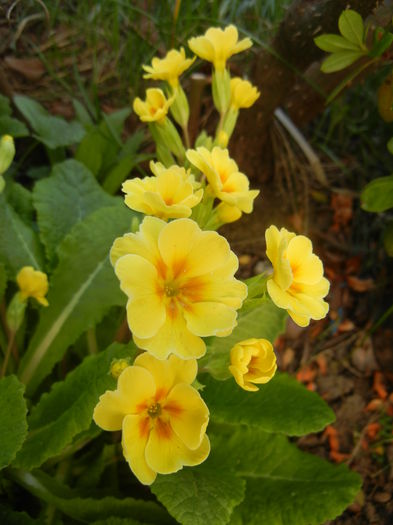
[[222, 173], [32, 283], [297, 283], [163, 419], [217, 45], [243, 93], [154, 108], [180, 286], [253, 361], [169, 68], [169, 194]]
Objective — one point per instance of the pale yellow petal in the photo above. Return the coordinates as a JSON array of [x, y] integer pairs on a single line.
[[135, 386], [134, 438], [163, 374], [306, 267], [209, 252], [207, 318], [176, 241], [188, 414]]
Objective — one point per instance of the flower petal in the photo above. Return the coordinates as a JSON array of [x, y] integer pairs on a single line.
[[188, 414], [135, 385], [306, 267], [175, 243], [173, 337], [134, 438], [208, 318]]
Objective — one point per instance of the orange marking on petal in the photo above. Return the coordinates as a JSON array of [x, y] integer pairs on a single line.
[[163, 429], [141, 407], [160, 394], [144, 427], [173, 408]]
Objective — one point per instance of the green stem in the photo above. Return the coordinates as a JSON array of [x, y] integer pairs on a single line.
[[7, 354], [381, 320]]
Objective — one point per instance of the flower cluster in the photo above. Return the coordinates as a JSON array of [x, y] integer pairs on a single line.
[[178, 273]]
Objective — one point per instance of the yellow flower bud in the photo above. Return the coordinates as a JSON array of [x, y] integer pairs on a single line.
[[154, 108], [32, 283], [243, 93], [385, 99], [222, 139], [7, 152], [117, 367], [253, 361]]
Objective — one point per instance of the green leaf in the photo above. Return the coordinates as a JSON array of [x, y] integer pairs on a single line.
[[282, 405], [3, 281], [284, 485], [19, 243], [377, 196], [334, 43], [21, 200], [388, 239], [89, 510], [12, 126], [67, 409], [382, 41], [69, 195], [5, 106], [340, 60], [118, 521], [199, 495], [54, 132], [11, 517], [81, 113], [91, 150], [13, 419], [82, 289], [351, 26], [265, 321]]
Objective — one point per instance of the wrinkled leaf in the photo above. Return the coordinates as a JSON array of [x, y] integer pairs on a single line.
[[12, 126], [199, 495], [82, 289], [69, 195], [282, 405], [52, 131], [13, 411], [67, 409]]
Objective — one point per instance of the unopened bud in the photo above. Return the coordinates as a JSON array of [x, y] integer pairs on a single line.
[[16, 312], [7, 152], [117, 367]]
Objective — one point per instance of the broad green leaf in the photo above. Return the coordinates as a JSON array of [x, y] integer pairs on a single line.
[[67, 409], [11, 517], [13, 418], [199, 495], [340, 60], [91, 150], [118, 521], [81, 113], [334, 43], [3, 281], [265, 321], [69, 195], [388, 239], [21, 200], [5, 106], [12, 126], [52, 131], [351, 26], [284, 485], [377, 196], [19, 243], [82, 289], [282, 405], [89, 510]]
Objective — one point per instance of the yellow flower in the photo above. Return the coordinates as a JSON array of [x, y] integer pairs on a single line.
[[227, 214], [243, 93], [253, 361], [217, 45], [154, 108], [169, 68], [227, 183], [170, 194], [297, 284], [163, 419], [32, 283], [180, 286]]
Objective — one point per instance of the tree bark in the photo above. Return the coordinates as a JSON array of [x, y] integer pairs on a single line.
[[276, 71]]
